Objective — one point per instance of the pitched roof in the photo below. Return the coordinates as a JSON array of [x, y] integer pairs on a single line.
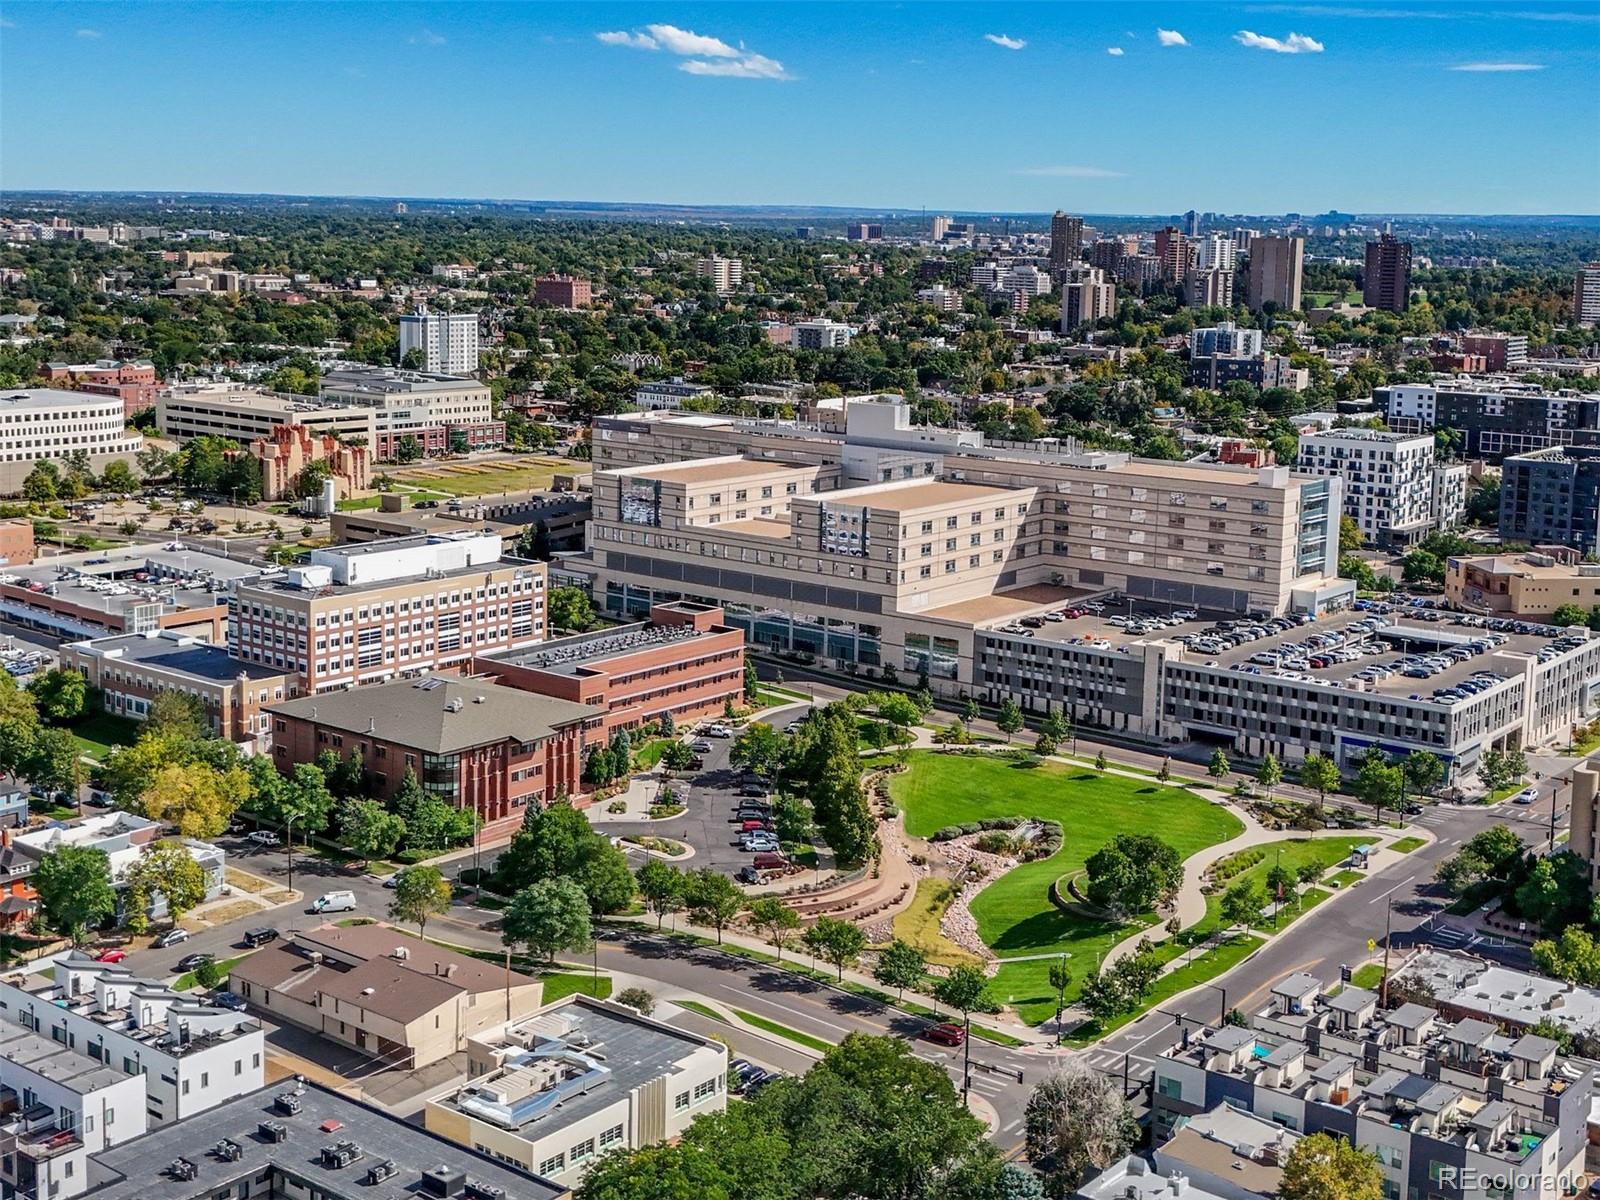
[[439, 714]]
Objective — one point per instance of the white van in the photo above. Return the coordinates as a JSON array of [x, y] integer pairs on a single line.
[[331, 902]]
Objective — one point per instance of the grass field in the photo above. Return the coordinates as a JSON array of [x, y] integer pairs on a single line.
[[1407, 844], [1294, 853], [1014, 914], [783, 1031], [559, 984], [101, 733], [365, 503], [484, 479], [918, 925], [187, 982], [1369, 976]]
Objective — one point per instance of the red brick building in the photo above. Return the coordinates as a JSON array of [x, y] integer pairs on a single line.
[[471, 742], [16, 542], [134, 383], [683, 660], [563, 291]]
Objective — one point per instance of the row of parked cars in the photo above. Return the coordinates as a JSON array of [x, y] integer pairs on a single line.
[[1230, 635]]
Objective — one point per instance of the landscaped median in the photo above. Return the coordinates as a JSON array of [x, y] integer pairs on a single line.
[[737, 1017]]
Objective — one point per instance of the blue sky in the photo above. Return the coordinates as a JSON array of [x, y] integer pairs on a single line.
[[1142, 107]]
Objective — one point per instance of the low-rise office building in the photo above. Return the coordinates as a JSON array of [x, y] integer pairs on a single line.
[[563, 514], [1447, 1109], [1461, 987], [1527, 586], [128, 589], [192, 1056], [444, 413], [1493, 417], [290, 1139], [474, 744], [130, 670], [1393, 486], [373, 611], [683, 661], [134, 383], [52, 423], [247, 414], [581, 1079], [402, 1000]]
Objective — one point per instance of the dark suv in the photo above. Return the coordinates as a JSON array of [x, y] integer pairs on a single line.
[[260, 937]]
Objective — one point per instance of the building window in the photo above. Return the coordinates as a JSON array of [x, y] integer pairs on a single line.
[[611, 1137], [553, 1165], [680, 1102]]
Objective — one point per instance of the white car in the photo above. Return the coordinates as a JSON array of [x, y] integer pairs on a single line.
[[793, 727], [719, 731], [263, 837]]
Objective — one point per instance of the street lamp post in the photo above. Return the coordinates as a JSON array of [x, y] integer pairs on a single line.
[[288, 842]]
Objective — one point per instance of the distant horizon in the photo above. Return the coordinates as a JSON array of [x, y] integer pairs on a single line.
[[775, 209], [1475, 106]]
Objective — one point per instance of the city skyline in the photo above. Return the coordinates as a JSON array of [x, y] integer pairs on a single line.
[[871, 107]]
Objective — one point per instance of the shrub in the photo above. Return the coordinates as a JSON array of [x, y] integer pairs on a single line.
[[638, 999], [996, 841], [617, 806], [208, 975]]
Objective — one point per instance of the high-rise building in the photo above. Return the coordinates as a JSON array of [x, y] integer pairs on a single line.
[[1552, 497], [940, 227], [1172, 249], [1387, 283], [1086, 296], [1191, 223], [1586, 295], [1066, 239], [1393, 486], [1214, 250], [448, 341], [1107, 254], [726, 274], [862, 231], [1276, 271], [1208, 287]]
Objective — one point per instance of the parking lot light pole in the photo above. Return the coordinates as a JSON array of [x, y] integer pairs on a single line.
[[288, 842]]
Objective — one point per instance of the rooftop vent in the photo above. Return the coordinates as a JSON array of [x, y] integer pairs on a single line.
[[484, 1191], [443, 1181]]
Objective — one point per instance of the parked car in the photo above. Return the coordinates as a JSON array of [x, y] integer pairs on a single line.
[[753, 789], [1527, 795], [793, 727], [171, 937], [264, 837], [719, 731], [330, 902], [229, 1000], [945, 1033], [193, 962], [111, 956], [753, 825], [700, 746], [259, 937]]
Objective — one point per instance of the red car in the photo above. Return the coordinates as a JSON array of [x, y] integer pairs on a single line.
[[111, 956], [946, 1034]]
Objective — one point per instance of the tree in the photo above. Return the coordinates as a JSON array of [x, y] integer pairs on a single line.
[[433, 823], [677, 756], [1009, 719], [177, 713], [55, 762], [1242, 903], [1218, 767], [1044, 745], [419, 893], [1133, 873], [752, 680], [75, 893], [712, 899], [834, 941], [196, 799], [118, 477], [42, 482], [969, 712], [1380, 784], [1060, 980], [408, 449], [896, 708], [965, 989], [1574, 956], [569, 608], [1269, 774], [775, 921], [546, 917], [209, 974], [168, 870], [368, 829], [1423, 771], [60, 695], [738, 1154], [1076, 1120], [1324, 1167], [303, 803], [1319, 774], [759, 748], [1421, 566], [900, 965], [638, 999], [1350, 536], [662, 886]]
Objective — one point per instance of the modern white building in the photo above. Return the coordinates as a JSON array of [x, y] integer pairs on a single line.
[[39, 423], [670, 393], [553, 1092], [1215, 251], [191, 1055], [448, 341], [726, 274], [1225, 339], [1027, 279], [820, 335], [1586, 295], [1393, 487]]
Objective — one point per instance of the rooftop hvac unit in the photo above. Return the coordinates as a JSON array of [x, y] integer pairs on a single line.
[[443, 1181], [288, 1104], [228, 1150], [484, 1191], [271, 1131], [182, 1169], [378, 1172]]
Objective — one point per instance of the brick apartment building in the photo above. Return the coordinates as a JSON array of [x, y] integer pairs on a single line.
[[473, 743], [134, 383], [563, 291], [402, 606], [16, 542], [683, 660], [290, 449], [130, 670]]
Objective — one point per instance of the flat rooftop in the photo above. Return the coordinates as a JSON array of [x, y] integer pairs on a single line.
[[137, 1170], [773, 528], [49, 1059], [634, 1050], [42, 398], [904, 497], [184, 656], [1006, 606], [587, 651], [710, 470], [282, 584]]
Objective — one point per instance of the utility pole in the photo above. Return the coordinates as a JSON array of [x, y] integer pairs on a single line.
[[508, 983], [1388, 929]]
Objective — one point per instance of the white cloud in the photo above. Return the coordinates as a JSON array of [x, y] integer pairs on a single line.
[[426, 38], [1069, 173], [1295, 43], [1114, 51], [1171, 37], [687, 42], [89, 34], [746, 66], [634, 41], [1496, 67], [1000, 39]]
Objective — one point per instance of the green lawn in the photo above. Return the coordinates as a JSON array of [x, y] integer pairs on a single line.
[[648, 755], [1293, 853], [1014, 914], [558, 985], [529, 474], [101, 733], [1407, 844], [1220, 959], [187, 981], [1369, 976], [783, 1031]]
